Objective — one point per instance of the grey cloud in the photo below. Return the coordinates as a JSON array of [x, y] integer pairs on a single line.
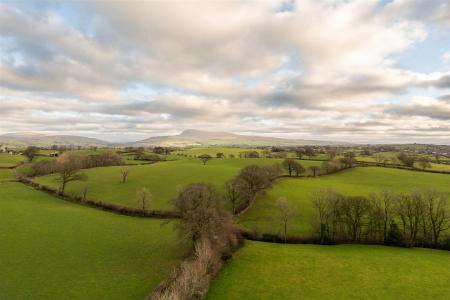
[[439, 112]]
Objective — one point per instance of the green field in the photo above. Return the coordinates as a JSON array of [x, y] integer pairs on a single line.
[[7, 160], [7, 174], [163, 179], [213, 151], [262, 216], [437, 167], [277, 271], [52, 249]]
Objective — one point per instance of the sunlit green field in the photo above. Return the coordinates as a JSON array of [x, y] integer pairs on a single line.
[[162, 179], [7, 160], [213, 151], [263, 215], [6, 174], [52, 249], [277, 271], [437, 167]]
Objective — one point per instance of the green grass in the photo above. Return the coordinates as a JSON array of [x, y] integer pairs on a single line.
[[7, 160], [262, 216], [277, 271], [7, 174], [163, 179], [52, 249], [436, 167], [213, 151]]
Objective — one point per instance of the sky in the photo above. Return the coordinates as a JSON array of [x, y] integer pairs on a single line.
[[360, 71]]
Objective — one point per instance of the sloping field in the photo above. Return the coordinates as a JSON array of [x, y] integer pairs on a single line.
[[7, 174], [7, 160], [52, 249], [213, 151], [277, 271], [358, 181], [162, 179]]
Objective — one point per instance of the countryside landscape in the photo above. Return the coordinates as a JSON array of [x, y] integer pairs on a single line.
[[224, 150]]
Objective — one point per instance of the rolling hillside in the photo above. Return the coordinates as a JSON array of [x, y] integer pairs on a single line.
[[199, 138], [42, 140]]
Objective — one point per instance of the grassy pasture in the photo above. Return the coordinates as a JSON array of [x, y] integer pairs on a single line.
[[162, 179], [277, 271], [52, 249], [6, 174], [213, 151], [358, 181], [7, 160]]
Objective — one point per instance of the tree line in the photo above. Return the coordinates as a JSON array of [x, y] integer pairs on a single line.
[[403, 219]]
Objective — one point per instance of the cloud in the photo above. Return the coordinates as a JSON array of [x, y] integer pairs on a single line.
[[311, 68], [446, 56]]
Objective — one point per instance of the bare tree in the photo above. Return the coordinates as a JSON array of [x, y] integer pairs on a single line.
[[288, 164], [300, 152], [409, 210], [124, 173], [436, 210], [233, 192], [68, 168], [286, 212], [273, 170], [143, 198], [353, 210], [331, 153], [85, 191], [202, 213], [323, 203], [314, 169], [298, 169], [255, 177]]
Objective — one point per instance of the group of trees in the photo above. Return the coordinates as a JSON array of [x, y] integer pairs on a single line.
[[81, 161], [31, 152], [240, 190], [416, 218], [206, 223], [292, 166], [305, 151], [249, 154], [407, 159]]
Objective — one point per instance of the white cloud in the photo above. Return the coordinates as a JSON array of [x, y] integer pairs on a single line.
[[225, 65]]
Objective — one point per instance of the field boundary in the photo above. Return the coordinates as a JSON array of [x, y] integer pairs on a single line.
[[391, 166], [122, 210], [277, 239]]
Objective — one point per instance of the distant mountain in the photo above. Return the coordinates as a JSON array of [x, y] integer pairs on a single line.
[[200, 138], [23, 139], [188, 138]]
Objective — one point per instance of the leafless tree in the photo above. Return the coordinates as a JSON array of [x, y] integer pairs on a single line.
[[143, 198], [314, 169], [68, 168], [202, 213], [410, 212], [286, 212], [353, 210], [233, 193], [436, 210], [288, 164], [124, 173]]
